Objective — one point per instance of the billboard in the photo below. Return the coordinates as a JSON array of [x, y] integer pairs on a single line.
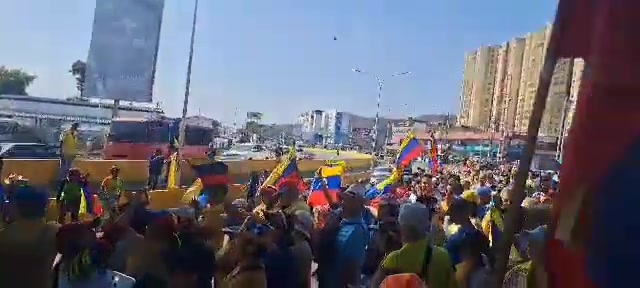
[[123, 51], [254, 116]]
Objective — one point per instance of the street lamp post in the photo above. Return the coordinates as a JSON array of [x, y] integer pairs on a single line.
[[187, 88], [380, 83]]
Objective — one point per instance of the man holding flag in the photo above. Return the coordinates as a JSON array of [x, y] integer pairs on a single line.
[[410, 149]]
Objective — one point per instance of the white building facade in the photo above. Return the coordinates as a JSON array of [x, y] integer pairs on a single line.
[[337, 127], [325, 127]]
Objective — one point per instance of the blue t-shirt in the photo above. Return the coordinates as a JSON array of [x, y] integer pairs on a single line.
[[454, 242], [156, 162], [482, 210], [367, 216], [351, 242]]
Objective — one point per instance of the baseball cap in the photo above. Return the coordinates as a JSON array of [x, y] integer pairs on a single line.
[[357, 190], [484, 191], [415, 215], [304, 223]]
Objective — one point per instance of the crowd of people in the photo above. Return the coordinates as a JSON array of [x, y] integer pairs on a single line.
[[438, 229]]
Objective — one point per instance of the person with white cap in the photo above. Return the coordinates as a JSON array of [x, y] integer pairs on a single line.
[[301, 249], [418, 257]]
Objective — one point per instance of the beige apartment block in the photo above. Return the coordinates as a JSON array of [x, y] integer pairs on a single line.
[[559, 93], [483, 85], [500, 85], [532, 61], [576, 78], [467, 88], [511, 85], [500, 88]]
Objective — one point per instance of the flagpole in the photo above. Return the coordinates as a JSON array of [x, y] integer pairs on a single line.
[[376, 121], [514, 211]]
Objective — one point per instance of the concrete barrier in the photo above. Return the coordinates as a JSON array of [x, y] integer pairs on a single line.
[[353, 154], [135, 172]]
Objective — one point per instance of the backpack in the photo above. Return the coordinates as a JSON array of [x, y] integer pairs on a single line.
[[411, 280]]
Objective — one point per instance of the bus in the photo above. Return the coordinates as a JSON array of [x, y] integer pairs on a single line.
[[137, 139]]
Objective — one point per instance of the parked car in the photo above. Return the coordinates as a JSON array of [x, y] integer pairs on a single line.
[[306, 156], [29, 151]]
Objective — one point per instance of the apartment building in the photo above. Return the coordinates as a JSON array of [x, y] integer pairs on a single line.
[[499, 90], [478, 86], [467, 88], [484, 84], [511, 86], [532, 61], [500, 85], [559, 94], [576, 78]]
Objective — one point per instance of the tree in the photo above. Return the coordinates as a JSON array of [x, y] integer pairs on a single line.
[[216, 127], [78, 70], [14, 81], [253, 127]]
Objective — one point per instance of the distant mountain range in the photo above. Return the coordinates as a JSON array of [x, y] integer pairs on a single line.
[[358, 121]]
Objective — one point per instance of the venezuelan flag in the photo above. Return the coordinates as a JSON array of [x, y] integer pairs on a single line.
[[192, 192], [410, 149], [286, 173], [212, 173], [433, 153], [595, 230], [384, 187], [291, 176], [333, 177]]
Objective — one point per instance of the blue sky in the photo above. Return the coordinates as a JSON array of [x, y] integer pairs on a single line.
[[278, 56]]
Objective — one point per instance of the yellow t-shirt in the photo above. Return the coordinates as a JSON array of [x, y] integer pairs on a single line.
[[69, 143], [410, 258], [214, 222]]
